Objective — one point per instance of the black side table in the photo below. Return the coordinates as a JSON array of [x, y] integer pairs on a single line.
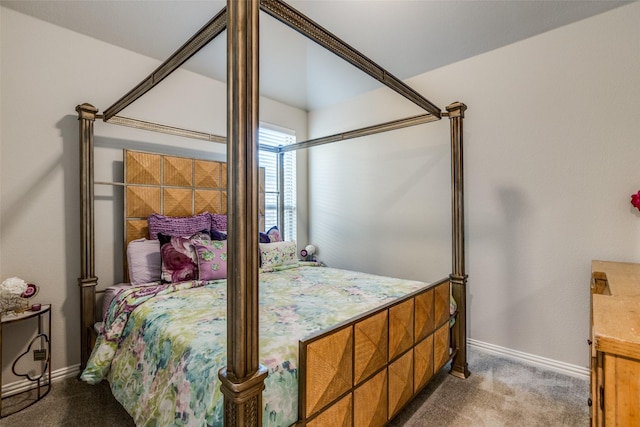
[[40, 347]]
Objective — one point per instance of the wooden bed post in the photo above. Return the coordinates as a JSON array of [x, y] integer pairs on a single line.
[[243, 378], [87, 281], [458, 277]]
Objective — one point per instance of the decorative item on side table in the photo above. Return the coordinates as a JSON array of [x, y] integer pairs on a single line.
[[34, 364], [308, 257], [15, 294], [307, 253]]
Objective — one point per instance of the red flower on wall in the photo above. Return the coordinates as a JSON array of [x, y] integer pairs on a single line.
[[635, 200]]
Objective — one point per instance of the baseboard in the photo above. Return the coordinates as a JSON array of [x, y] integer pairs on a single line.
[[24, 385], [526, 358], [531, 359]]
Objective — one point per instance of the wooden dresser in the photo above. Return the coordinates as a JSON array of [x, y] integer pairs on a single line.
[[615, 344]]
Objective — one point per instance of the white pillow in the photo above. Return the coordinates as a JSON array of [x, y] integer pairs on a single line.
[[278, 254], [144, 262]]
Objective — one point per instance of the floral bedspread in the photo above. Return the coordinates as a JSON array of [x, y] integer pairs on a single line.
[[162, 346]]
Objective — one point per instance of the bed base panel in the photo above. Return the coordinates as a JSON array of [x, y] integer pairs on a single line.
[[364, 371]]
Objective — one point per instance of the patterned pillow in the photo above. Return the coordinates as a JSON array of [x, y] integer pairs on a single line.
[[218, 222], [143, 261], [278, 254], [178, 226], [274, 234], [212, 259], [179, 259]]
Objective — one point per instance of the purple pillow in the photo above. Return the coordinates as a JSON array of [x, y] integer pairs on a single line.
[[212, 259], [264, 238], [218, 235], [178, 226], [274, 235], [218, 222], [179, 260]]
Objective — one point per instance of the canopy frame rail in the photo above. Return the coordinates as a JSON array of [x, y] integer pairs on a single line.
[[200, 39], [313, 31], [294, 19], [170, 130], [365, 131], [344, 136]]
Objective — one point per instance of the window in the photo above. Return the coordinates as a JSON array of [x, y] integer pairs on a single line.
[[272, 136]]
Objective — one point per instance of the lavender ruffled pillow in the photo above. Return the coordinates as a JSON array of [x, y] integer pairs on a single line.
[[218, 222], [212, 259], [178, 226]]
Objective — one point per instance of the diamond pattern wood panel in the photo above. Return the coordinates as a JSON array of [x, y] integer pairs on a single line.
[[223, 175], [207, 174], [142, 201], [441, 346], [178, 202], [370, 402], [338, 415], [423, 359], [371, 337], [411, 363], [178, 171], [223, 206], [441, 303], [400, 328], [207, 179], [400, 382], [329, 369], [424, 315], [136, 229], [143, 168], [208, 201]]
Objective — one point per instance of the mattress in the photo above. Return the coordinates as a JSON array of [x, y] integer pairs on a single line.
[[162, 346]]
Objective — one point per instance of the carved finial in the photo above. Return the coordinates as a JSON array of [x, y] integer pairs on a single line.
[[86, 111], [456, 109]]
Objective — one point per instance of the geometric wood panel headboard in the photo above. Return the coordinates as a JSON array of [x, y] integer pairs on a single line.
[[173, 186]]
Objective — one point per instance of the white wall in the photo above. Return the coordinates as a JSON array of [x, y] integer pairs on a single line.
[[551, 152], [45, 72]]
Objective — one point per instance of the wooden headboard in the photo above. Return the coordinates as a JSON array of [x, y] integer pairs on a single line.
[[173, 186]]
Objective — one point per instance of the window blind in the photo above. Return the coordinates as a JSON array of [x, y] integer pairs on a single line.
[[272, 136]]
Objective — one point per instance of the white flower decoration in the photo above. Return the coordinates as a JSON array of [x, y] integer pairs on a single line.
[[14, 285]]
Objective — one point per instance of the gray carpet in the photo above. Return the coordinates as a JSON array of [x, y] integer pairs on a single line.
[[499, 392]]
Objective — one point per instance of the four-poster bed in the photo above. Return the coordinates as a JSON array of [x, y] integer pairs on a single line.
[[340, 368]]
